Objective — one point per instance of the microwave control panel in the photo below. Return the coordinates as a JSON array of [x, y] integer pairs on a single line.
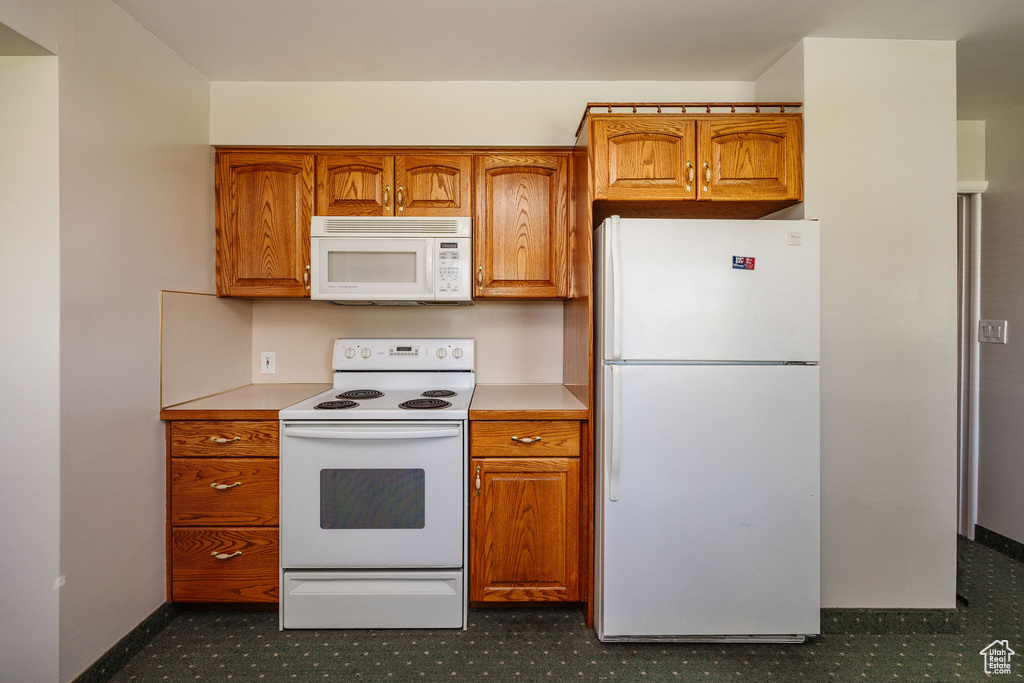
[[452, 270]]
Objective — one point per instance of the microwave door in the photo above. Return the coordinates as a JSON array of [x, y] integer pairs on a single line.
[[372, 269]]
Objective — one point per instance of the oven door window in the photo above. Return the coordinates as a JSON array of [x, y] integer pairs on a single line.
[[372, 498]]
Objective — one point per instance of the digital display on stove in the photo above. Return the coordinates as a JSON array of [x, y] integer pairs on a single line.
[[403, 348]]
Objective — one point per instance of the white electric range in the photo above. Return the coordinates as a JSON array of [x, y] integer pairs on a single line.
[[373, 489]]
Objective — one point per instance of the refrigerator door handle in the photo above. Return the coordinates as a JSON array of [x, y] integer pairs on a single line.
[[615, 318], [613, 432]]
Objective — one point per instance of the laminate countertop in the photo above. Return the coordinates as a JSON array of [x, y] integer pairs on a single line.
[[251, 402], [525, 402], [490, 402]]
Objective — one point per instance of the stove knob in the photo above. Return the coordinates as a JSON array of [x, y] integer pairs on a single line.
[[365, 353], [350, 353], [456, 352], [441, 353]]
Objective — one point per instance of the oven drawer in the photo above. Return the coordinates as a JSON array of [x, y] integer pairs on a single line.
[[525, 438], [224, 565], [365, 599], [224, 491], [224, 438]]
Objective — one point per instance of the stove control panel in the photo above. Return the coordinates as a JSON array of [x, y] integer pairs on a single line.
[[403, 354]]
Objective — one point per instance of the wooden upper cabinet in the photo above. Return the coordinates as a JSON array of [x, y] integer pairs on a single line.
[[354, 185], [521, 229], [651, 158], [264, 208], [648, 156], [386, 185], [757, 158]]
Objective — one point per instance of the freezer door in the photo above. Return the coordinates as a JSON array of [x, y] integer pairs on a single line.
[[707, 290], [707, 514]]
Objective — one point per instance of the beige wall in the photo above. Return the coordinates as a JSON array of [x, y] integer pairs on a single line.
[[880, 168], [136, 206], [205, 345], [30, 389], [970, 152], [1001, 400], [515, 341], [437, 113]]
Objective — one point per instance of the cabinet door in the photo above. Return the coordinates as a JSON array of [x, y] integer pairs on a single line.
[[521, 229], [433, 185], [756, 158], [264, 207], [644, 157], [524, 521], [355, 185]]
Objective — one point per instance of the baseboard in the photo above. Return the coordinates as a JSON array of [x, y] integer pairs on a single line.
[[998, 542], [116, 657], [835, 620]]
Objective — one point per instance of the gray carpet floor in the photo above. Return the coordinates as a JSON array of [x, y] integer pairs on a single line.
[[555, 645]]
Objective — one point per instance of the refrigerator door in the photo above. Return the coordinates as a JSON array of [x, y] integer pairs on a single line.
[[706, 498], [707, 290]]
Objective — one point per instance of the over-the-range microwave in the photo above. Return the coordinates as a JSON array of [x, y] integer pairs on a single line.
[[391, 260]]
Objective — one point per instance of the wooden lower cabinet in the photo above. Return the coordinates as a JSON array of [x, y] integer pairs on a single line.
[[524, 511], [222, 511]]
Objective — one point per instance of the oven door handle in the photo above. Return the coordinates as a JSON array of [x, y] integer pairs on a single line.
[[357, 433]]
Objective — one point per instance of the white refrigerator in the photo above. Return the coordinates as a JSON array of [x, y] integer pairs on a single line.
[[706, 430]]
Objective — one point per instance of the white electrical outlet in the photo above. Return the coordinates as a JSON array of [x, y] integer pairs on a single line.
[[992, 331], [268, 361]]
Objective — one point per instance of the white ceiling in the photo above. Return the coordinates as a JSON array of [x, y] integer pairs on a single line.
[[569, 40]]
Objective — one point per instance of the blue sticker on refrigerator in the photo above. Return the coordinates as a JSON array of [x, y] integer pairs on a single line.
[[743, 262]]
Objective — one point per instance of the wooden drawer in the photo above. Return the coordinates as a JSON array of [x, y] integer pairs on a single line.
[[199, 576], [224, 491], [224, 438], [547, 438]]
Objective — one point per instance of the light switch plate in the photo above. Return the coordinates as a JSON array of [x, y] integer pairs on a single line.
[[992, 331]]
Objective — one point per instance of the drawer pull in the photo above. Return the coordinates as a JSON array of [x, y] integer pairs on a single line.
[[225, 556], [221, 487], [221, 439], [526, 439]]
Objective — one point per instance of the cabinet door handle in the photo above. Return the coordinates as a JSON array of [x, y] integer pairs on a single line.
[[526, 439], [305, 277], [387, 196], [478, 481], [225, 556], [689, 175], [221, 439], [480, 277], [221, 487], [399, 201], [707, 175]]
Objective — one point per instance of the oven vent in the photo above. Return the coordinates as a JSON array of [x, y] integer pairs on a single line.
[[390, 226]]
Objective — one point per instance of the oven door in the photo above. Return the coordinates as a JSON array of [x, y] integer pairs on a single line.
[[372, 494], [349, 268]]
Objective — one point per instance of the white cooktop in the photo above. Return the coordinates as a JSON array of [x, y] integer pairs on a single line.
[[402, 370]]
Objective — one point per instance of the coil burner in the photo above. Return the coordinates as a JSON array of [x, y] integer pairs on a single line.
[[424, 404], [336, 405], [364, 394], [439, 393]]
